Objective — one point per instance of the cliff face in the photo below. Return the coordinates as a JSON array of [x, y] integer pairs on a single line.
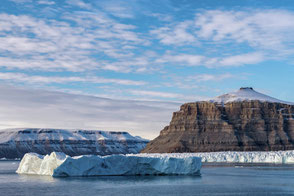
[[14, 143], [244, 125]]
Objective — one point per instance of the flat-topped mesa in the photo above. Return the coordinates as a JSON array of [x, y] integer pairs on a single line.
[[245, 120], [14, 143]]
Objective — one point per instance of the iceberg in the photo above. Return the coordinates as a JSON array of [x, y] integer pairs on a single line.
[[58, 164]]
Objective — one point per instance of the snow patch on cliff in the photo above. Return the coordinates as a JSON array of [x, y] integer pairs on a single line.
[[61, 165]]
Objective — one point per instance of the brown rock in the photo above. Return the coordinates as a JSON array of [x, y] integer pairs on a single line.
[[235, 126]]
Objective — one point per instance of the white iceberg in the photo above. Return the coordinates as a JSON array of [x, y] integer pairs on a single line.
[[279, 157], [61, 165]]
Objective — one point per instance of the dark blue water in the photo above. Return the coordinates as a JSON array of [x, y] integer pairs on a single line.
[[215, 180]]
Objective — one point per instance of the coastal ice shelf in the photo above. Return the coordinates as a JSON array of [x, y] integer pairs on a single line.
[[279, 157], [61, 165]]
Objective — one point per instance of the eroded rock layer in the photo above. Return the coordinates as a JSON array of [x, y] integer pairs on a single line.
[[249, 125]]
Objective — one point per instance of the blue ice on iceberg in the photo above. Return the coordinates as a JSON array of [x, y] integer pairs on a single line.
[[60, 165]]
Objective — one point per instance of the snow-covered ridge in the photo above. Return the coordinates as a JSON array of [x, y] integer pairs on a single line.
[[59, 164], [14, 143], [246, 94], [29, 134], [281, 157]]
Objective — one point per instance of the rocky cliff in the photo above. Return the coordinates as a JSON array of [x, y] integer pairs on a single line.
[[14, 143], [241, 121]]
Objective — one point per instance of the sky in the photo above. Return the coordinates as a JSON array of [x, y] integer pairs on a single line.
[[127, 65]]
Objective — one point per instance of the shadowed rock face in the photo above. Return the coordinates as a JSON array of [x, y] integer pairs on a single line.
[[235, 126]]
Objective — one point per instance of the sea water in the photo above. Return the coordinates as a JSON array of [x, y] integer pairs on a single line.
[[215, 179]]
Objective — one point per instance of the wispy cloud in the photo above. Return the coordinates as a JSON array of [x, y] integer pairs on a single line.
[[266, 29], [265, 33], [171, 96], [237, 60], [21, 1], [211, 77], [57, 45], [79, 3], [113, 40], [20, 77], [260, 29], [175, 35], [212, 62], [182, 59], [155, 94], [46, 2], [118, 8]]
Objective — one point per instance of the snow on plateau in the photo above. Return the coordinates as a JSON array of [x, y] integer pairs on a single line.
[[61, 165], [14, 143], [246, 94]]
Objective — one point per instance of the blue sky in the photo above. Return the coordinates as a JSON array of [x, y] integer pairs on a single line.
[[151, 50], [163, 50]]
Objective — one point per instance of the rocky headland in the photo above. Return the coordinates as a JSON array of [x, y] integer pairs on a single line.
[[240, 121]]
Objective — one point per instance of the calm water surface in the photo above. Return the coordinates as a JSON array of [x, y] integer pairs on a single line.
[[215, 180]]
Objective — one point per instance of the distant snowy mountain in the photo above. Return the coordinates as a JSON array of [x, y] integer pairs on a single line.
[[14, 143], [246, 94]]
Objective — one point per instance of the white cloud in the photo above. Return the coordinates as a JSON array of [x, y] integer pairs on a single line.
[[46, 2], [267, 33], [118, 8], [60, 45], [38, 108], [79, 3], [21, 1], [176, 35], [155, 94], [146, 94], [212, 62], [211, 77], [182, 59], [77, 42], [237, 60], [20, 77], [261, 29]]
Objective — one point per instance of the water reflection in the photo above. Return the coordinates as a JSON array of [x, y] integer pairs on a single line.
[[135, 179], [37, 178], [228, 179], [118, 180]]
